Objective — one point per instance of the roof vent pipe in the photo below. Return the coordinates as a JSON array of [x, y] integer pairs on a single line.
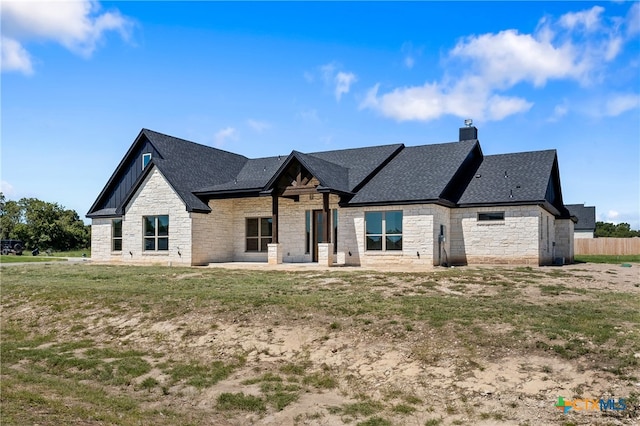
[[469, 131]]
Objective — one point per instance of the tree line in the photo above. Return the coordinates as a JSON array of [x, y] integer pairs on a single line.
[[620, 230], [43, 225]]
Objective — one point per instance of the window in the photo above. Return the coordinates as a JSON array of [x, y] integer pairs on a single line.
[[156, 233], [116, 235], [307, 230], [383, 230], [334, 223], [145, 159], [491, 216], [259, 233]]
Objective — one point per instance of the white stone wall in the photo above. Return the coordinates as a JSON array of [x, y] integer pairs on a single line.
[[516, 239], [564, 240], [212, 234], [101, 240], [547, 227], [220, 236], [156, 197], [417, 236], [583, 234]]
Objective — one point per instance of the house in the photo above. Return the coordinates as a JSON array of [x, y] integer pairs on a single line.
[[173, 201], [586, 215]]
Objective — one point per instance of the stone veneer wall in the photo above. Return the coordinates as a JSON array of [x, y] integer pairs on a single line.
[[564, 240], [516, 239], [156, 197], [101, 239], [221, 234], [419, 222], [583, 234]]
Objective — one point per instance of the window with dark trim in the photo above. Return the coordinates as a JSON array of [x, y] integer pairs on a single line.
[[116, 235], [490, 216], [259, 233], [156, 233], [383, 230], [307, 231], [334, 224], [145, 159]]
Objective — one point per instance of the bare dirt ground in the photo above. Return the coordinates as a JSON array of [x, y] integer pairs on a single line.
[[455, 383]]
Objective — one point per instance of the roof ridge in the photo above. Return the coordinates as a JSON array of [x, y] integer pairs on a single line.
[[145, 131]]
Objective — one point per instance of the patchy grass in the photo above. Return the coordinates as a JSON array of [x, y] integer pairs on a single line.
[[72, 336]]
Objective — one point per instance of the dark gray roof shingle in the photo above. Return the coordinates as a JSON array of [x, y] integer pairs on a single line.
[[417, 173], [510, 178], [188, 166], [360, 162], [586, 216]]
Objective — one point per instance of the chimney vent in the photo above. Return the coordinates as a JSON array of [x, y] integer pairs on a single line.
[[469, 131]]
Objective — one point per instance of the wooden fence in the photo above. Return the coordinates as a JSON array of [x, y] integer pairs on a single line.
[[610, 246]]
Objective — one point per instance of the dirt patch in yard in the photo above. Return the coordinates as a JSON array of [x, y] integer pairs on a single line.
[[333, 365]]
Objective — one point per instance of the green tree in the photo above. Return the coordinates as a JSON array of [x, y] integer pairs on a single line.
[[42, 224], [10, 216], [620, 230]]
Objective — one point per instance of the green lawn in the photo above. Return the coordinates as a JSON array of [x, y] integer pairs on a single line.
[[598, 258], [68, 356], [28, 258]]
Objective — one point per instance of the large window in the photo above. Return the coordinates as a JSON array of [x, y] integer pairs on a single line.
[[259, 233], [156, 233], [383, 230], [116, 235]]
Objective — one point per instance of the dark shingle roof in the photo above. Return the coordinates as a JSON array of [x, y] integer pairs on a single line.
[[330, 175], [254, 175], [361, 162], [416, 173], [586, 216], [527, 178], [188, 166], [376, 175]]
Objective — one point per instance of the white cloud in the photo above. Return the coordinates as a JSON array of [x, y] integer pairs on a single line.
[[258, 126], [559, 111], [409, 54], [633, 20], [587, 19], [15, 57], [6, 188], [619, 104], [508, 58], [309, 116], [77, 25], [432, 100], [343, 81], [223, 136], [339, 81], [484, 68]]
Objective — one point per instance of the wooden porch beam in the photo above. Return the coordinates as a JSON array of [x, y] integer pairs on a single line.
[[274, 218], [325, 213]]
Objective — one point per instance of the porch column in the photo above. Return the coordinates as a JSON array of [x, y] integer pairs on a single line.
[[325, 248], [274, 249], [325, 217], [274, 217]]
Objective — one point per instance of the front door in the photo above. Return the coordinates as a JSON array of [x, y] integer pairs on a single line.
[[318, 232]]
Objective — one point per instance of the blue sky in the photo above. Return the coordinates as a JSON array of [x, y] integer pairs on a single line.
[[80, 79]]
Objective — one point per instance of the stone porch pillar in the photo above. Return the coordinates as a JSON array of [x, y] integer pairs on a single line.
[[274, 254], [325, 254]]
